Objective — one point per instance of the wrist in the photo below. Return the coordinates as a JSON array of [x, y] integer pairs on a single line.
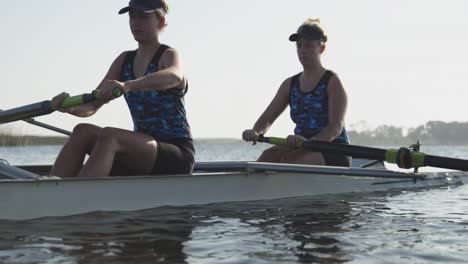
[[70, 110], [256, 131], [127, 86]]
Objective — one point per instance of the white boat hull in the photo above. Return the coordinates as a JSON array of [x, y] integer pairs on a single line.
[[26, 199]]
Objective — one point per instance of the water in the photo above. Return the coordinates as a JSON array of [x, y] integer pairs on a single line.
[[423, 226]]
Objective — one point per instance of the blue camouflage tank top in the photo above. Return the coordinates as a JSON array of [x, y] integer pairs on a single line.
[[309, 111], [160, 114]]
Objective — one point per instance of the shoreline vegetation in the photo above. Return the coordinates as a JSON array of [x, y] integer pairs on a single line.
[[431, 133], [9, 140]]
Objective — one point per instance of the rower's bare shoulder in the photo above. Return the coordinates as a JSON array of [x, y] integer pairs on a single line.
[[335, 84], [285, 86], [115, 69], [120, 59], [170, 57]]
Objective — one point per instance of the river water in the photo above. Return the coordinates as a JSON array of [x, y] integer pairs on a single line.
[[417, 226]]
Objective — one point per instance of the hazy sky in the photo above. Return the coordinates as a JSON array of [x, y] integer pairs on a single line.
[[402, 62]]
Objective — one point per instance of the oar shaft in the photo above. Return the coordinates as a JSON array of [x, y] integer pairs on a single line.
[[27, 111], [403, 157], [45, 107], [336, 148], [446, 163], [346, 150]]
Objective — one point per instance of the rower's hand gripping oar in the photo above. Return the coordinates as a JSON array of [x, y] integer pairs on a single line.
[[403, 157], [45, 107]]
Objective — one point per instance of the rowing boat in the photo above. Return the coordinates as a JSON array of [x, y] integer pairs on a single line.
[[32, 196], [29, 192]]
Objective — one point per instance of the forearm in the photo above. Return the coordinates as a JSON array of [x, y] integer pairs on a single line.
[[274, 109], [160, 80], [85, 110], [262, 125]]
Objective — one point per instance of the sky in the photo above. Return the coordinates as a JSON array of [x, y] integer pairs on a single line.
[[401, 62]]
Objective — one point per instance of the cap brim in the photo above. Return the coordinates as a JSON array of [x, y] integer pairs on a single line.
[[124, 10], [127, 9], [294, 37]]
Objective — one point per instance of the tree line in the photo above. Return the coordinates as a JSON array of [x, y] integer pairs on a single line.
[[433, 133]]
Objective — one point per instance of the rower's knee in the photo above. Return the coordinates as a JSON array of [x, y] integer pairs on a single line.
[[85, 135], [85, 130], [108, 137], [270, 155]]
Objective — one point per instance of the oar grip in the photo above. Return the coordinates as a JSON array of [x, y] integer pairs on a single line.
[[272, 140], [87, 98], [115, 91], [77, 100]]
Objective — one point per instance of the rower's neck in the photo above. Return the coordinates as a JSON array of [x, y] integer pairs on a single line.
[[312, 70], [148, 49]]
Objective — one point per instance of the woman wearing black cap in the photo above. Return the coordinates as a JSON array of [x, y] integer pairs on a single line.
[[317, 101], [153, 84]]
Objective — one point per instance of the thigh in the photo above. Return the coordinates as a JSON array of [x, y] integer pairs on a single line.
[[300, 156], [275, 153], [135, 152]]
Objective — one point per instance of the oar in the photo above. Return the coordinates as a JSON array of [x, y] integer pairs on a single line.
[[403, 157], [45, 107], [46, 126]]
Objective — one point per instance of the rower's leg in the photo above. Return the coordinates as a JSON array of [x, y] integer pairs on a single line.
[[134, 150], [303, 157], [71, 157], [274, 154]]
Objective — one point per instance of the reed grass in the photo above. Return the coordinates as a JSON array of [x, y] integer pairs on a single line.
[[8, 139]]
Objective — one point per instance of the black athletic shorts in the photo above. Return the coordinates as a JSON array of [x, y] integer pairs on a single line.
[[175, 156], [337, 159]]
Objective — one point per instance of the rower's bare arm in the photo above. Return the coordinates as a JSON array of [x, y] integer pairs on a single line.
[[274, 109], [91, 108], [337, 103], [170, 76]]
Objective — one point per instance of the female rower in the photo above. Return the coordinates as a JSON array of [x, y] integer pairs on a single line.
[[317, 101], [154, 85]]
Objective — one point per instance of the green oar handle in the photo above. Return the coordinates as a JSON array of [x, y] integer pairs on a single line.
[[272, 140], [86, 98]]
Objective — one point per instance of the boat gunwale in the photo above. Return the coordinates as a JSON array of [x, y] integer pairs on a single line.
[[246, 168]]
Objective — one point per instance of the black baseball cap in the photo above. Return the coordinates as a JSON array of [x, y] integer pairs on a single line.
[[308, 32], [144, 6]]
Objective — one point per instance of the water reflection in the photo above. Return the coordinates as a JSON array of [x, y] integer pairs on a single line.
[[147, 236], [294, 230]]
